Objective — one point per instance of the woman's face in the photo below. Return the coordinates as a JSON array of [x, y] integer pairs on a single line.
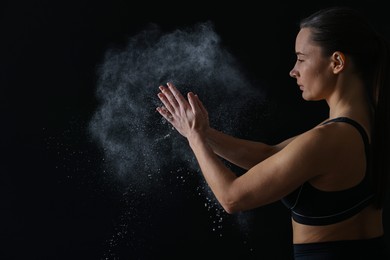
[[312, 70]]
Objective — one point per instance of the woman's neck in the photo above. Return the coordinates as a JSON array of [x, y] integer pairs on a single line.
[[349, 99]]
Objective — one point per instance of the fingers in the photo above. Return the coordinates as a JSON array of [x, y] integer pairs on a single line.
[[177, 95], [193, 103], [200, 104], [172, 99], [168, 99], [165, 113], [196, 103]]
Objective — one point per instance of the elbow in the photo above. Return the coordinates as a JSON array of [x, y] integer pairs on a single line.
[[230, 204], [235, 200], [229, 210]]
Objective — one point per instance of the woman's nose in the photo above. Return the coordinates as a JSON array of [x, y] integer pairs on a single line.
[[293, 73]]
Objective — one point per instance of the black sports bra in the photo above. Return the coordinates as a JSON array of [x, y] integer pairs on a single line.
[[312, 206]]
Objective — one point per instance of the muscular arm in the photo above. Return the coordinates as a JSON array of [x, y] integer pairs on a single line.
[[243, 153], [282, 168], [265, 182]]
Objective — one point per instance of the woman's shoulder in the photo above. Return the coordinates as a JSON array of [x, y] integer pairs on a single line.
[[332, 137]]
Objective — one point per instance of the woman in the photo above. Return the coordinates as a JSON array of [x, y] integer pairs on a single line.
[[333, 176]]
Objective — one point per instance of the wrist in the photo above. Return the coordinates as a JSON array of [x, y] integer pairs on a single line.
[[210, 135], [196, 138]]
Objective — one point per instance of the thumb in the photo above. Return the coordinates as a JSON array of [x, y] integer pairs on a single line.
[[200, 105], [193, 102]]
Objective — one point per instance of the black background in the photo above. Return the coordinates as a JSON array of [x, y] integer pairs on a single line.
[[58, 202]]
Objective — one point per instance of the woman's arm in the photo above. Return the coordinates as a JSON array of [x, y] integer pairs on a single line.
[[269, 180], [241, 152], [262, 184]]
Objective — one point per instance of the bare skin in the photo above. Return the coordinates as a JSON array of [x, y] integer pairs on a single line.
[[331, 157]]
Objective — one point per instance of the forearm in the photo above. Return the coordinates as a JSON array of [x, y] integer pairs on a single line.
[[243, 153], [217, 175]]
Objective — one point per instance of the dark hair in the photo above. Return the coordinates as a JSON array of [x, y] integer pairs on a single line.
[[345, 29]]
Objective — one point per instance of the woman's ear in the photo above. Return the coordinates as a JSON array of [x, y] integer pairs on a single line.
[[338, 61]]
